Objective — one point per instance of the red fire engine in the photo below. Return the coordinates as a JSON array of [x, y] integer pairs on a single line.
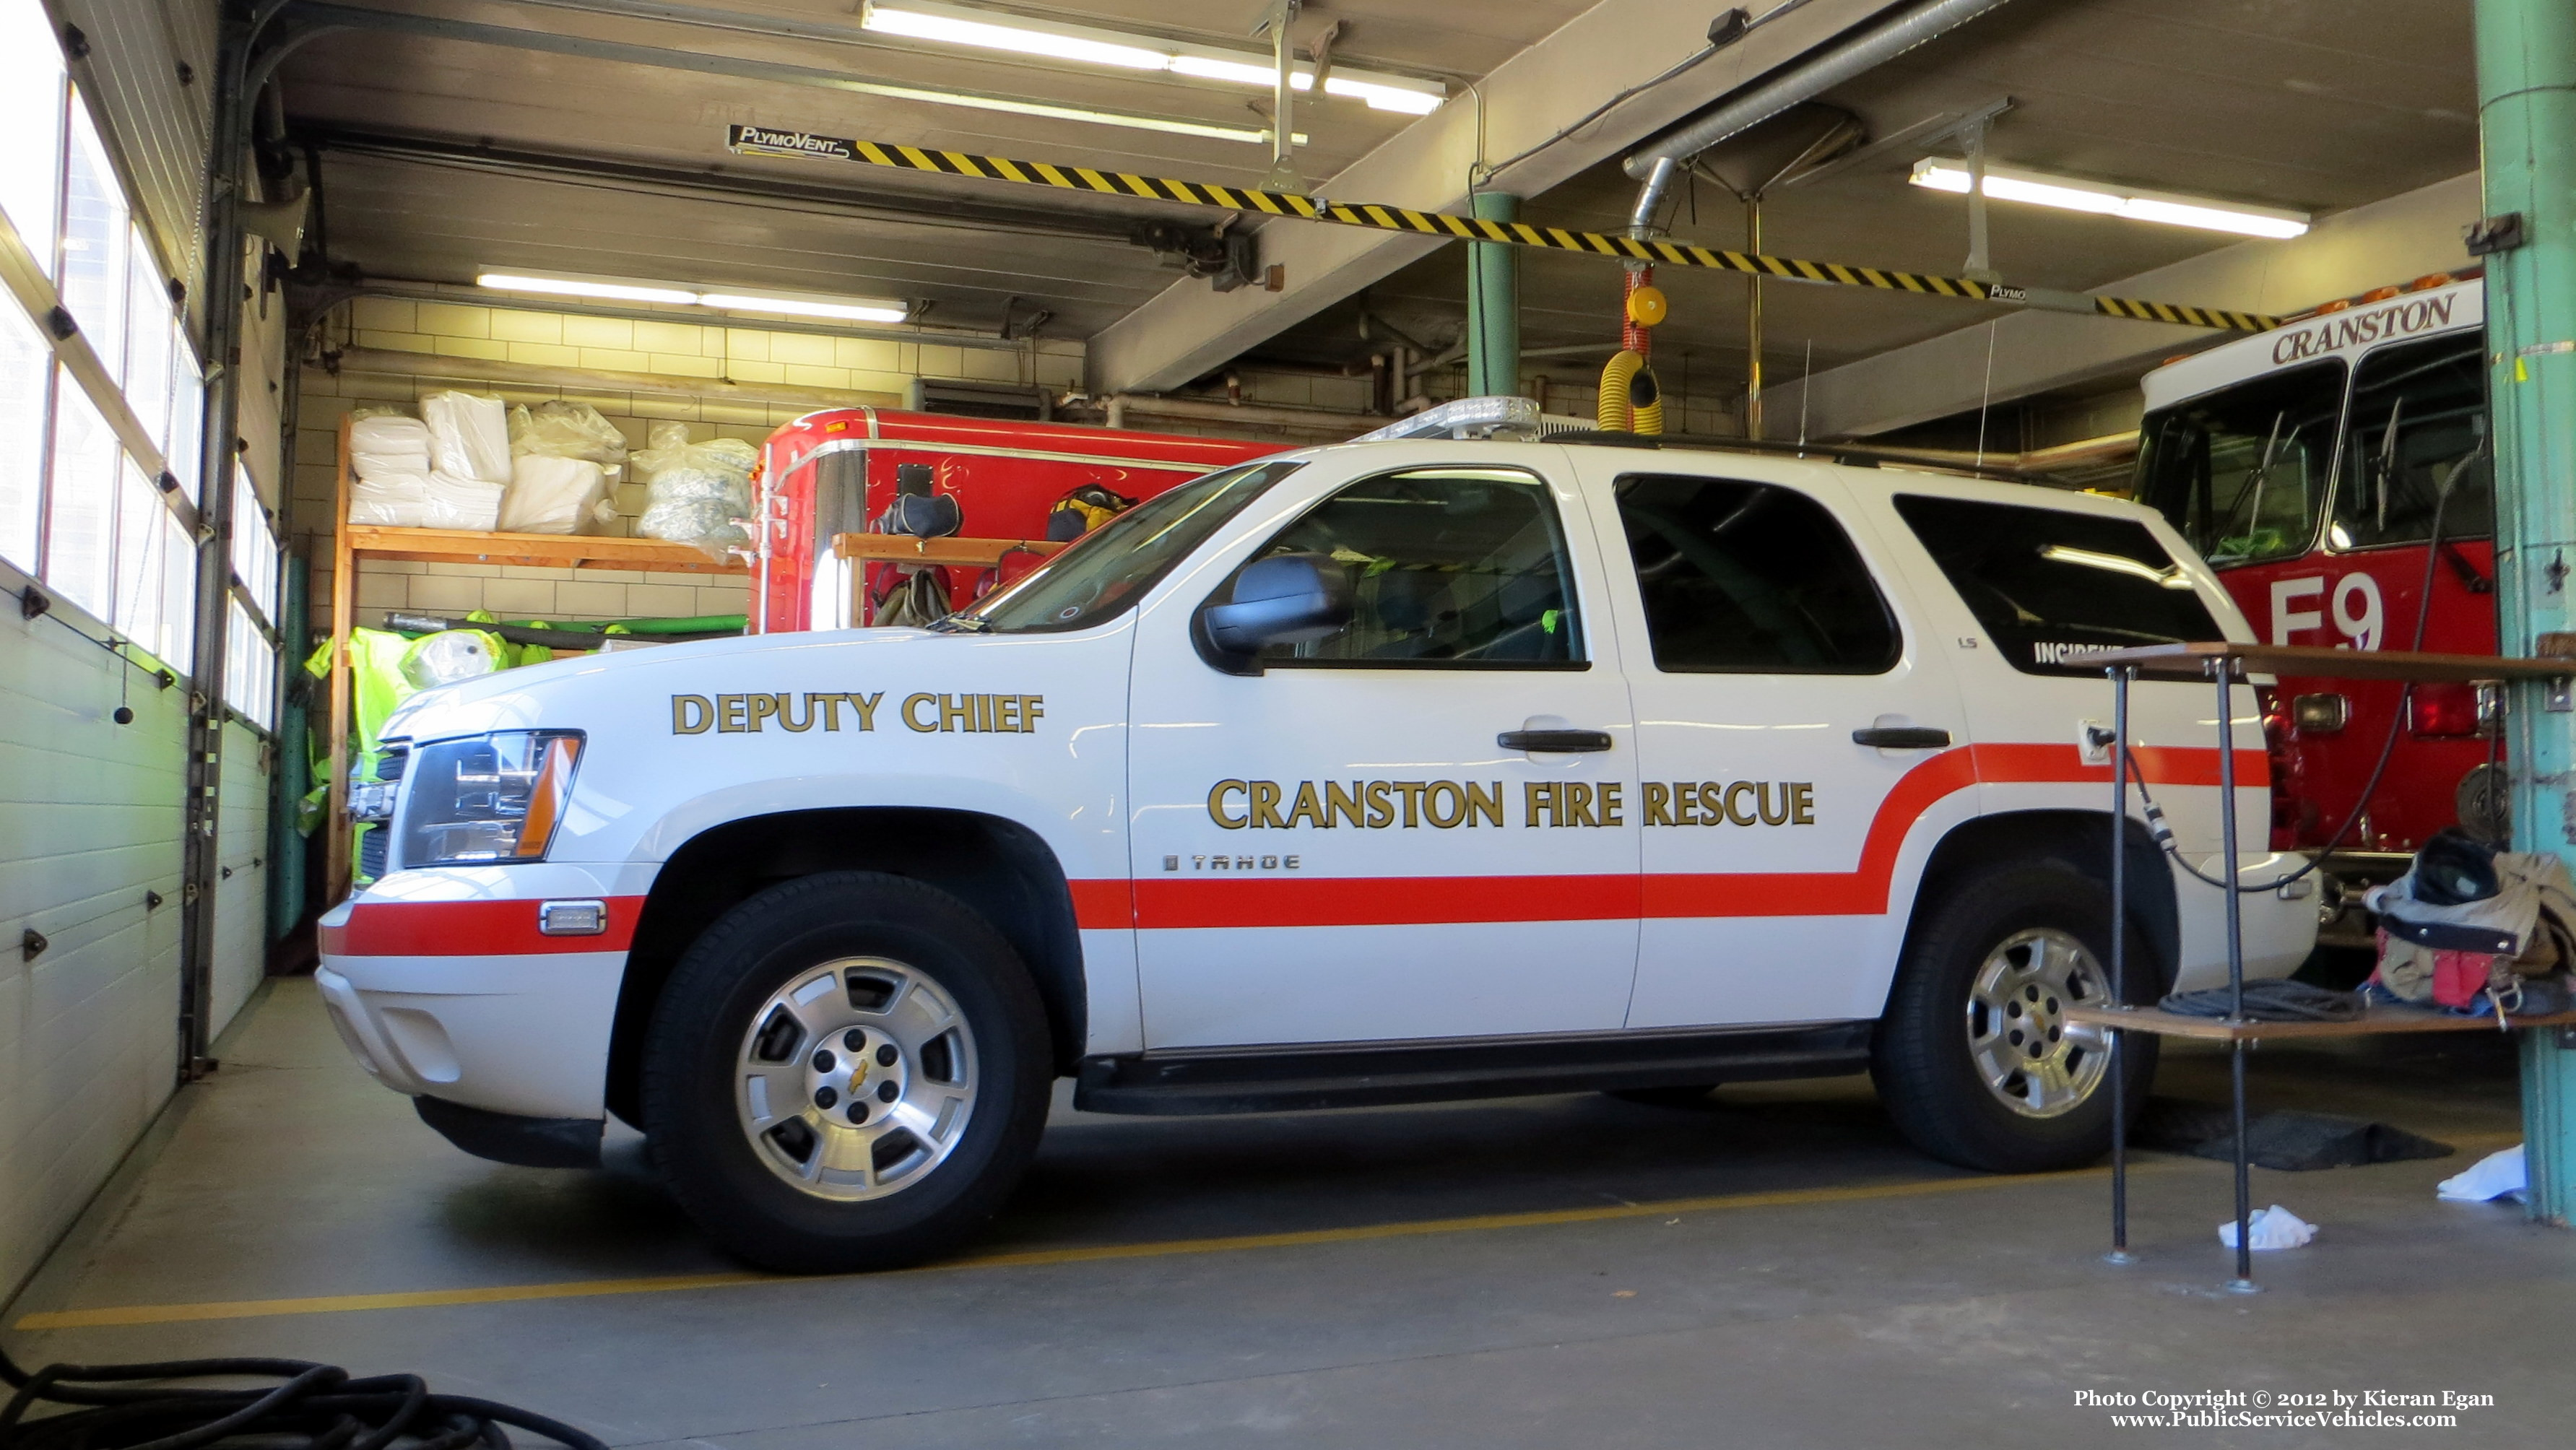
[[2333, 472], [830, 473]]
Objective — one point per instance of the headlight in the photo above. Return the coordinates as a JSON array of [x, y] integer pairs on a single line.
[[490, 798]]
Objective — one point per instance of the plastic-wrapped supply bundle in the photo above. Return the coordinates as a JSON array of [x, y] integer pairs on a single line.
[[463, 503], [445, 658], [566, 430], [430, 500], [389, 455], [393, 500], [556, 496], [469, 435], [695, 492], [389, 443]]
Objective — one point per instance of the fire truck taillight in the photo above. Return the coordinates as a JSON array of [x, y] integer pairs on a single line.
[[2443, 712], [2324, 714]]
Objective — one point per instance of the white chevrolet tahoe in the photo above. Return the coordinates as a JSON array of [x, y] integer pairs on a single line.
[[1378, 773]]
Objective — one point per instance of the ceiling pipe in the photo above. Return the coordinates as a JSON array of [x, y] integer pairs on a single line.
[[1661, 161]]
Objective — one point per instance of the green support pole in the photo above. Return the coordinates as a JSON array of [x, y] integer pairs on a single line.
[[1494, 304], [2527, 124]]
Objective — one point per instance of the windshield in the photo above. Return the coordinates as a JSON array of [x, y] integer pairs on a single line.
[[2419, 433], [2242, 472], [1113, 565]]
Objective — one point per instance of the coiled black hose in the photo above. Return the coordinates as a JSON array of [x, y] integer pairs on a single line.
[[310, 1407]]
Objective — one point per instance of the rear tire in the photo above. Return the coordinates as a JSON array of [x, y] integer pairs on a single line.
[[847, 1071], [1974, 1060]]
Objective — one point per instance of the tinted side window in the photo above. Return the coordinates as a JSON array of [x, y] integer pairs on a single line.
[[2055, 587], [1750, 577], [1457, 567], [2419, 423]]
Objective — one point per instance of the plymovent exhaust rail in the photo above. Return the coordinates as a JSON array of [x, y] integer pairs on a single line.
[[763, 141]]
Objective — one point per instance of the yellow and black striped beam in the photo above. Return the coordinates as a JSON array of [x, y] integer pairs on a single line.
[[763, 141]]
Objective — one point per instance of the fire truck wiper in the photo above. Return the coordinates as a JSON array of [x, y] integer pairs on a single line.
[[2388, 459]]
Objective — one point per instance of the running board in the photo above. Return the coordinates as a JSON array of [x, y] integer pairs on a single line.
[[1335, 1075]]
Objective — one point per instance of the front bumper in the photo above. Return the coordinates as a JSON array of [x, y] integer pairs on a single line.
[[441, 985], [511, 1138]]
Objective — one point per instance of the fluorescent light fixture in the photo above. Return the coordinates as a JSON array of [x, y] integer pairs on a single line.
[[1049, 40], [850, 310], [977, 100], [607, 287], [2006, 183], [618, 289]]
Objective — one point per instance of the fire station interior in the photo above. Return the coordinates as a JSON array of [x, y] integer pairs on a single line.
[[362, 346]]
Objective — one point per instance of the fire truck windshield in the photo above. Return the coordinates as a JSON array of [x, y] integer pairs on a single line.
[[2419, 426], [2242, 472]]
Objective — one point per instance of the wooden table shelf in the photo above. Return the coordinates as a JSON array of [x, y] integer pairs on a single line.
[[2376, 1021]]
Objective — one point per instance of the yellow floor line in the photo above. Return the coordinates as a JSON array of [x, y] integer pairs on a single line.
[[1024, 1258]]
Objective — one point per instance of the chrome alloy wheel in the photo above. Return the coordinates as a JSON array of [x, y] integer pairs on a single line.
[[2032, 1059], [856, 1079]]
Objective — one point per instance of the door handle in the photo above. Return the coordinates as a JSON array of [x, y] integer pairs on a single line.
[[1568, 741], [1902, 737]]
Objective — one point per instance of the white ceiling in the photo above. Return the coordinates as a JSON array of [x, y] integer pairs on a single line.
[[2310, 103]]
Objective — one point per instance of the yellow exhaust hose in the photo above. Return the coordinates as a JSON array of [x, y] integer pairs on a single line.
[[1645, 403], [1611, 413]]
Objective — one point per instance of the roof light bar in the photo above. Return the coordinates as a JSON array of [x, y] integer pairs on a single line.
[[618, 289], [1087, 45], [2007, 183], [1492, 416]]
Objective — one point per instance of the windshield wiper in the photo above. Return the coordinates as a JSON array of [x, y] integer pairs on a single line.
[[961, 624]]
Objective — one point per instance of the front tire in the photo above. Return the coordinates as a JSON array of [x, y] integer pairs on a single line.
[[1974, 1059], [847, 1071]]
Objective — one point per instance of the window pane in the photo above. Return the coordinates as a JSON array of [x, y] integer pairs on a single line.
[[2435, 393], [1745, 576], [250, 668], [1446, 566], [2054, 587], [94, 232], [178, 594], [254, 546], [139, 570], [26, 369], [147, 341], [2241, 473], [187, 412], [31, 116], [81, 508]]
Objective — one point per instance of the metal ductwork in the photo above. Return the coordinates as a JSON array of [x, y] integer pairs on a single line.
[[1659, 162]]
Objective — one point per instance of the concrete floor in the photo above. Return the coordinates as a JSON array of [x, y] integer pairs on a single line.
[[1823, 1286]]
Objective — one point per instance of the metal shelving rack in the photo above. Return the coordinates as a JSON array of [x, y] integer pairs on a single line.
[[2228, 664]]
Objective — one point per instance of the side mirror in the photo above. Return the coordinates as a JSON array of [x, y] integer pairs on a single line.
[[1284, 599]]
